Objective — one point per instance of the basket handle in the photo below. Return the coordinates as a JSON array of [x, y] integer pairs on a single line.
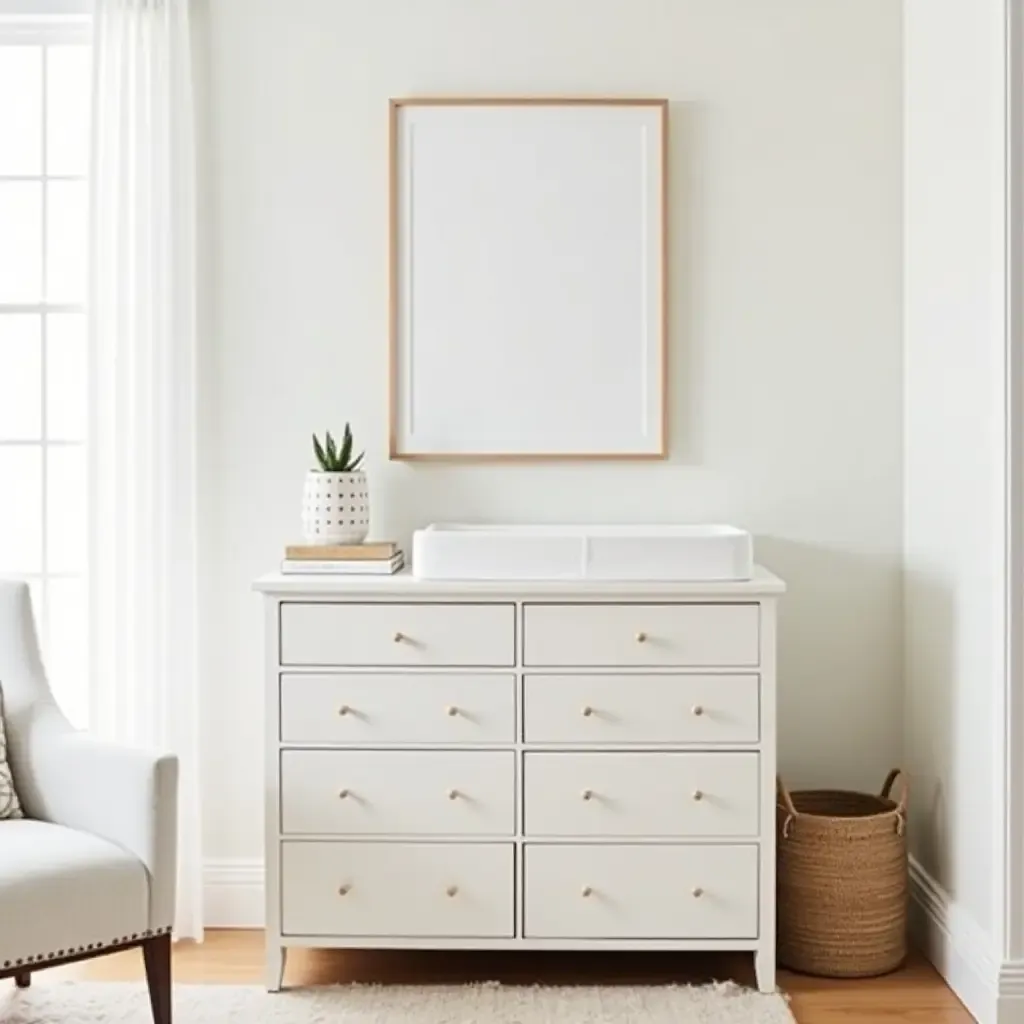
[[787, 803], [901, 805]]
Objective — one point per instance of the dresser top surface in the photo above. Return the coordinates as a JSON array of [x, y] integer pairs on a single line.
[[403, 584]]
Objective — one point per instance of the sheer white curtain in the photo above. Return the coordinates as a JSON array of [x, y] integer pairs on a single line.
[[142, 430]]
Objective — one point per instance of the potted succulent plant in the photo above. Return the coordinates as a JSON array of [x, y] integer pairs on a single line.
[[336, 499]]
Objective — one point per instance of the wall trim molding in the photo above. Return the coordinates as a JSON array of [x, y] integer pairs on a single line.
[[1010, 1007], [1008, 897], [1011, 979], [233, 893], [955, 943], [958, 947]]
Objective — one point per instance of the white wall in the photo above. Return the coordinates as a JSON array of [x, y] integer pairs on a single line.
[[785, 345], [954, 420]]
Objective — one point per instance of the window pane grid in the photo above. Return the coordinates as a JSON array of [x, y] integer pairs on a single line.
[[42, 346]]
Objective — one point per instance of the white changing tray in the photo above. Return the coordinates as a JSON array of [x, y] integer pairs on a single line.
[[456, 551]]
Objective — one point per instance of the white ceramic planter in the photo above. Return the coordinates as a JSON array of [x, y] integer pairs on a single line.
[[335, 508]]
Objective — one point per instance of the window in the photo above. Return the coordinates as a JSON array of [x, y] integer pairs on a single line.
[[44, 131]]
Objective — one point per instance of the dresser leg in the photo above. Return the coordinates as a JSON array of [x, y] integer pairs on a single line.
[[764, 968], [276, 957]]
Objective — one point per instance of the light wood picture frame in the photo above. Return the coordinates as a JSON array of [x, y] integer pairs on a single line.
[[528, 278]]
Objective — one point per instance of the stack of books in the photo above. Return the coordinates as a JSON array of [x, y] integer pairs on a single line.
[[376, 558]]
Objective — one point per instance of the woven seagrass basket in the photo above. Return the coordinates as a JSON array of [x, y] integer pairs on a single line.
[[842, 881]]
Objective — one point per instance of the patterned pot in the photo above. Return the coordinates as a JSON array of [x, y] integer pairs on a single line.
[[335, 508]]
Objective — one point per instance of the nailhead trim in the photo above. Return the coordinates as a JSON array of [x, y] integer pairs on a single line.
[[92, 947]]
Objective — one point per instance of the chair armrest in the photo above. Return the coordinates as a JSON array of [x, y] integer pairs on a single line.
[[125, 795]]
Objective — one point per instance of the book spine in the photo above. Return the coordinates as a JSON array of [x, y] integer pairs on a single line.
[[341, 568], [340, 552]]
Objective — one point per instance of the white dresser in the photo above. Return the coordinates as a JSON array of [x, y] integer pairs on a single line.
[[525, 765]]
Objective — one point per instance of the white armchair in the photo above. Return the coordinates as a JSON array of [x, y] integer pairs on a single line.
[[91, 868]]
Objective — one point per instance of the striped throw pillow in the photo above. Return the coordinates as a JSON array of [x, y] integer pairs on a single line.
[[10, 807]]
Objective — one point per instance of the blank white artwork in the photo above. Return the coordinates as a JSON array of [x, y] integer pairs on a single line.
[[528, 285]]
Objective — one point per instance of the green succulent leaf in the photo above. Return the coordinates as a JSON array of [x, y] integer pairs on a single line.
[[346, 451], [321, 455], [335, 458]]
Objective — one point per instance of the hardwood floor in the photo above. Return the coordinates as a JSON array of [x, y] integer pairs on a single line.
[[914, 995]]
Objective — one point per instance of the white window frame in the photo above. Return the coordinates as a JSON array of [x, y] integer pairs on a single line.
[[55, 26]]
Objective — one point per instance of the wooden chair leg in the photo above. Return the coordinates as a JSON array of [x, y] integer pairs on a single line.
[[23, 980], [157, 954]]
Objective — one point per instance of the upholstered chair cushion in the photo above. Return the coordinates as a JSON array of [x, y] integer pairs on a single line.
[[10, 806], [63, 891]]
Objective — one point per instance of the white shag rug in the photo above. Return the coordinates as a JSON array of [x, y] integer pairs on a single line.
[[113, 1003]]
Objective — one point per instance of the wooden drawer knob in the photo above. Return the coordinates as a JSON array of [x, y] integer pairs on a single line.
[[641, 637], [343, 890], [452, 890], [586, 891]]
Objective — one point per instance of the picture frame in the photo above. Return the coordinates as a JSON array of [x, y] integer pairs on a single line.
[[528, 278]]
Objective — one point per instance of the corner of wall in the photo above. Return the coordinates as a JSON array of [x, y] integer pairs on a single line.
[[961, 951]]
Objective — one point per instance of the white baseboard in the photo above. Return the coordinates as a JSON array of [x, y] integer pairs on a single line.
[[233, 893], [955, 943], [961, 951], [1011, 992]]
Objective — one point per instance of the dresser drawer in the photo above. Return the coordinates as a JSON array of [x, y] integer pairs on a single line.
[[724, 635], [402, 792], [423, 707], [649, 794], [397, 634], [595, 709], [641, 892], [397, 889]]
